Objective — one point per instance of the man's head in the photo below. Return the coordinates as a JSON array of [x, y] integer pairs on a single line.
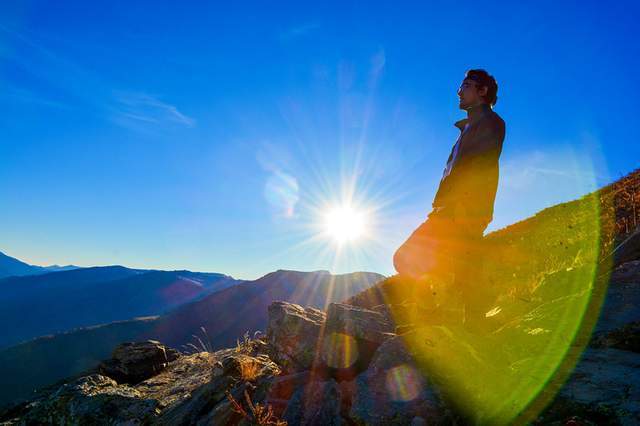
[[478, 87]]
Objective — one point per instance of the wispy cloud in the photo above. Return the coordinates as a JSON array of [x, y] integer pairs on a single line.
[[562, 167], [145, 108], [299, 30], [77, 86]]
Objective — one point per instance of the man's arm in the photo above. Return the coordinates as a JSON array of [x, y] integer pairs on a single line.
[[473, 177]]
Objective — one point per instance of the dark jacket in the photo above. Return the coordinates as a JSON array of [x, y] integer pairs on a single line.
[[470, 179]]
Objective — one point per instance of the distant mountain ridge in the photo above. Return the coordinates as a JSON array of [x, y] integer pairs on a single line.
[[36, 305], [12, 267]]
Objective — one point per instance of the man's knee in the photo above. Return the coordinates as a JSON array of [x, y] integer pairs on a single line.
[[400, 260]]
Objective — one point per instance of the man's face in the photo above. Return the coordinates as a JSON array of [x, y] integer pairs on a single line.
[[470, 94]]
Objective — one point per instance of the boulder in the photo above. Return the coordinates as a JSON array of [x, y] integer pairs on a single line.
[[134, 362], [315, 404], [604, 388], [359, 323], [393, 391], [292, 334]]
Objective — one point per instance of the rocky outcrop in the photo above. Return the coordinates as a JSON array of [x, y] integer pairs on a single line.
[[293, 333], [92, 400], [190, 390], [210, 403], [133, 362], [348, 367]]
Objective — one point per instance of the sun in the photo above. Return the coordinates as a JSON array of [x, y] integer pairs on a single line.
[[344, 224]]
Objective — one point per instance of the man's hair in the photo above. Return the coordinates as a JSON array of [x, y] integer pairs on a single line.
[[484, 79]]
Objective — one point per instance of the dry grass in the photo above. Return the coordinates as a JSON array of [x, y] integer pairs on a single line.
[[249, 370], [257, 414], [202, 343]]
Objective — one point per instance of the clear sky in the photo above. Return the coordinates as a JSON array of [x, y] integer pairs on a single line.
[[215, 137]]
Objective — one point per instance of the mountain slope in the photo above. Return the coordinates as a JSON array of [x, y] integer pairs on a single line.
[[55, 302], [10, 266]]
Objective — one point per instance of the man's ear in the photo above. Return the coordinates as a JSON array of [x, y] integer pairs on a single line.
[[482, 91]]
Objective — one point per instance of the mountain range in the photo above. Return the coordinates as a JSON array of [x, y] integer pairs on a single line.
[[10, 266], [36, 305]]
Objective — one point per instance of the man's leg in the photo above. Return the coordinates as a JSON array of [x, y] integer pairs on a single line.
[[469, 278], [424, 253]]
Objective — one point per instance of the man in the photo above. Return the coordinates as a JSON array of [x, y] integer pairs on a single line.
[[449, 241]]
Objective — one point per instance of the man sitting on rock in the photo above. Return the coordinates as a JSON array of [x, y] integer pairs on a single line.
[[449, 240]]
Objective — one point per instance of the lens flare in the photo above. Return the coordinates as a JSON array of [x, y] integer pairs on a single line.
[[340, 350], [403, 383]]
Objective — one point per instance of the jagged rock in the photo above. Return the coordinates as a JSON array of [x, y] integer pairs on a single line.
[[622, 303], [604, 388], [209, 404], [359, 323], [619, 322], [317, 403], [293, 333], [283, 387], [393, 391], [93, 399], [133, 362], [195, 408], [179, 380]]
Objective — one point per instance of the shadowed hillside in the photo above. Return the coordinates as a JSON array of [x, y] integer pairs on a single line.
[[55, 302]]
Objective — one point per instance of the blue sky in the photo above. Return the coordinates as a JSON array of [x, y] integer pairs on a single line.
[[213, 137]]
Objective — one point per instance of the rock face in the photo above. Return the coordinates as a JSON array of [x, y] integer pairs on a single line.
[[134, 362], [317, 404], [92, 400], [293, 333], [359, 323], [209, 403], [604, 388], [393, 391]]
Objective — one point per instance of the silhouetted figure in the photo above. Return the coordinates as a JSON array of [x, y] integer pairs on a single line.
[[449, 240]]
